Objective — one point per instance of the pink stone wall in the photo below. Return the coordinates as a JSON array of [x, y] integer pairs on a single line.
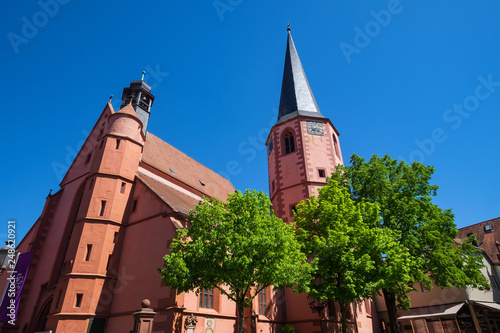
[[286, 170], [122, 161], [48, 256], [145, 241], [320, 152], [295, 176], [125, 125]]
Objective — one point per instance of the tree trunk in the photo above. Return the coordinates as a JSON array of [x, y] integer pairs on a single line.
[[392, 310], [343, 316], [241, 316]]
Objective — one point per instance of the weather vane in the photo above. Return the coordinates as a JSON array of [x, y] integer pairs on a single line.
[[288, 26], [143, 72]]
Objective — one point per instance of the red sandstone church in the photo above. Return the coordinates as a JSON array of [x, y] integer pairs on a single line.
[[121, 202]]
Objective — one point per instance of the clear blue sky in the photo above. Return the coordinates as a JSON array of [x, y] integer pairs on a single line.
[[412, 79]]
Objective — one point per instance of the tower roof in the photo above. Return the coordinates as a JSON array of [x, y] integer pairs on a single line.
[[129, 109], [297, 98], [140, 84]]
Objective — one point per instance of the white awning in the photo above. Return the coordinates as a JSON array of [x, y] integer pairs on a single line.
[[432, 311], [494, 306]]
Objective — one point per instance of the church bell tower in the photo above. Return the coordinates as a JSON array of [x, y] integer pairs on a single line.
[[303, 146], [139, 96]]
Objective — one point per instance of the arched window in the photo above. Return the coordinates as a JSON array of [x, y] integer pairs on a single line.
[[336, 146], [41, 321], [289, 142]]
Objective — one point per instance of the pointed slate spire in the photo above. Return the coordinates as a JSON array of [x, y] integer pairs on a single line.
[[296, 95]]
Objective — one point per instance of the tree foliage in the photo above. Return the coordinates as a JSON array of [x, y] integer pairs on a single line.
[[345, 247], [424, 232], [239, 247]]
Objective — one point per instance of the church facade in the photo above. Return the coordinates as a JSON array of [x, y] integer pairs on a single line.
[[100, 239]]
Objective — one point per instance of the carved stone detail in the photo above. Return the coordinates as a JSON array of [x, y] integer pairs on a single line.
[[191, 321], [209, 325]]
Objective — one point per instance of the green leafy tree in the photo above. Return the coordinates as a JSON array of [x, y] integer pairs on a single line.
[[423, 231], [345, 247], [239, 247], [287, 329]]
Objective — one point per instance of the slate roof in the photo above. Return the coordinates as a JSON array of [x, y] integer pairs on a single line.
[[297, 98], [162, 156]]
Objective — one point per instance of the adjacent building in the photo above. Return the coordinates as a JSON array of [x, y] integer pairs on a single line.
[[466, 310]]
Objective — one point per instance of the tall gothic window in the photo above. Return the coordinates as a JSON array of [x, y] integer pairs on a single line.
[[336, 146], [289, 142], [262, 302], [207, 299]]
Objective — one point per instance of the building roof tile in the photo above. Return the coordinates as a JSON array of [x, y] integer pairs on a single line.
[[164, 157], [178, 201]]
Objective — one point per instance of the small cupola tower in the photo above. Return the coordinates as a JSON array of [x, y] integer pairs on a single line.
[[139, 96]]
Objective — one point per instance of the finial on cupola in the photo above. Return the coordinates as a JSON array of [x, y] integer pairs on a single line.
[[142, 78]]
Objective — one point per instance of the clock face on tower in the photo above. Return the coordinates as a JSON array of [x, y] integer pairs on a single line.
[[315, 128]]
